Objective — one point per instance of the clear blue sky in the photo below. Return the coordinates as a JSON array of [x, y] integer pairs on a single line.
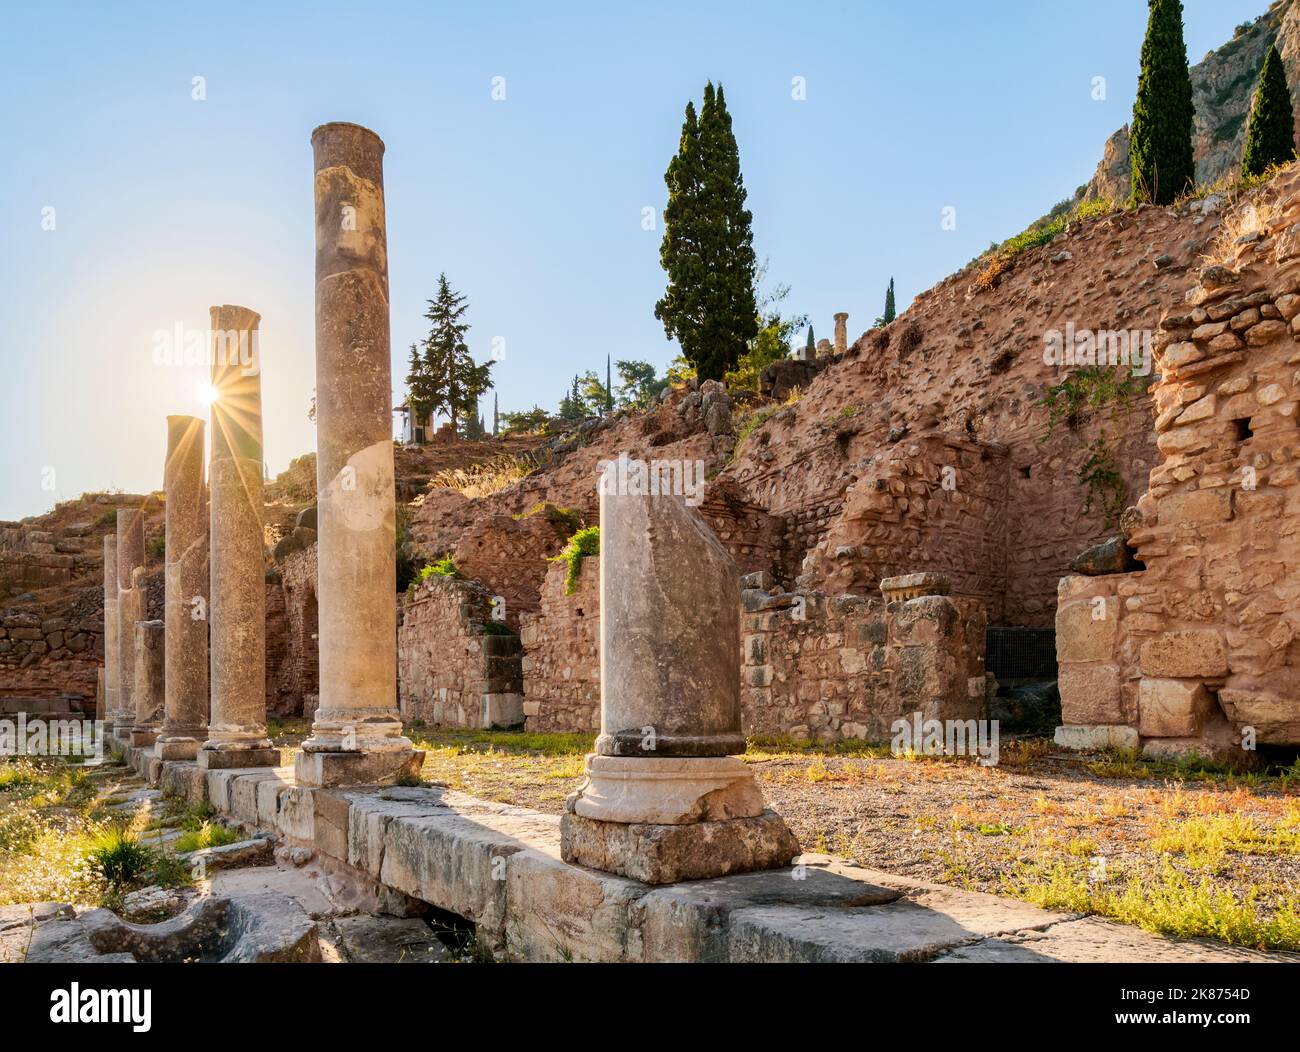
[[533, 205]]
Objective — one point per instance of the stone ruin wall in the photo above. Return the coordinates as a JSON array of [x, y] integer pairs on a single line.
[[453, 668], [1205, 641], [812, 666], [935, 503], [834, 667], [561, 653], [292, 662]]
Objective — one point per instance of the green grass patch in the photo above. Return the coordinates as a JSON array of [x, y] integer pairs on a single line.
[[1167, 903], [208, 834]]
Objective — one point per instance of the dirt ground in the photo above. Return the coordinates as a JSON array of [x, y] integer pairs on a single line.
[[1183, 851]]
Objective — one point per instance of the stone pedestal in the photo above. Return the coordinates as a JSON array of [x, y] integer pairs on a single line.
[[130, 609], [109, 711], [237, 607], [149, 673], [185, 719], [665, 798], [841, 332], [357, 734]]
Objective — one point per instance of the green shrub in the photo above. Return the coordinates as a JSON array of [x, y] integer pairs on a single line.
[[583, 543], [444, 567]]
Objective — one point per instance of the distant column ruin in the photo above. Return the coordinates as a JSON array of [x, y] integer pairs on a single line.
[[667, 798], [841, 332], [237, 729], [357, 734], [130, 609], [185, 721], [148, 678], [109, 713]]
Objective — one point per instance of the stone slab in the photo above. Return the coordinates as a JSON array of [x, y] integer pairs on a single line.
[[225, 759]]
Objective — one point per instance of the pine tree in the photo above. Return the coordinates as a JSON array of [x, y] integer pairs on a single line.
[[707, 250], [454, 380], [890, 313], [1160, 140], [1270, 137]]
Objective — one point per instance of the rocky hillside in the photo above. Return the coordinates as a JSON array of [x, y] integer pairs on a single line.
[[1223, 85]]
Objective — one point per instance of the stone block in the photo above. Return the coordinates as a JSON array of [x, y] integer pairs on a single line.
[[1172, 708], [1095, 738], [1091, 694], [665, 854], [357, 768], [560, 912], [1087, 630], [1185, 653]]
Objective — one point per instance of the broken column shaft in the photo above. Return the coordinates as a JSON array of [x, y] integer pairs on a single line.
[[666, 798], [130, 609], [110, 632], [148, 679]]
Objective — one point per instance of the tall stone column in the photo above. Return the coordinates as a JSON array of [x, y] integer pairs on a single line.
[[185, 719], [666, 798], [357, 733], [149, 672], [109, 714], [841, 332], [130, 609], [237, 585]]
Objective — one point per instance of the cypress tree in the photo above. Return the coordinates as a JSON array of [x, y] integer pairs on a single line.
[[1160, 139], [811, 344], [890, 314], [1270, 138], [707, 250]]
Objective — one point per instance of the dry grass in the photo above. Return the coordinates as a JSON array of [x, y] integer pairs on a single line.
[[482, 480], [1249, 215]]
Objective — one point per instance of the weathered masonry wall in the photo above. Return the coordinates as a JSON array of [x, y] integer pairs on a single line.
[[831, 667], [812, 666], [456, 667], [935, 502], [1202, 648], [561, 663]]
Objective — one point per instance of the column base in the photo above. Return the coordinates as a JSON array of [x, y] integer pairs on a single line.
[[667, 790], [143, 738], [177, 748], [220, 759], [657, 853], [329, 769]]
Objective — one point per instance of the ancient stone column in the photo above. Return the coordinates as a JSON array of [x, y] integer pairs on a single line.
[[357, 734], [237, 588], [666, 798], [130, 609], [841, 332], [185, 719], [109, 713], [148, 686]]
